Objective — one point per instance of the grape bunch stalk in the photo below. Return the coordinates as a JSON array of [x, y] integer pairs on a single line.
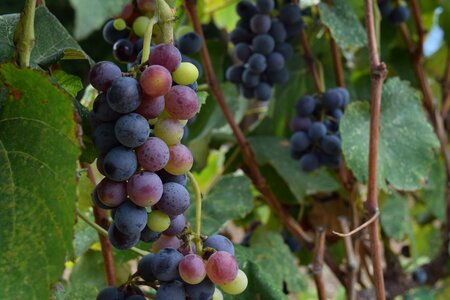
[[262, 47], [316, 140]]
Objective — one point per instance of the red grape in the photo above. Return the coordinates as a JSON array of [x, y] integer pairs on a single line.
[[181, 102], [153, 155], [111, 193], [151, 107], [165, 55], [155, 81], [221, 267], [192, 269], [180, 160], [145, 189]]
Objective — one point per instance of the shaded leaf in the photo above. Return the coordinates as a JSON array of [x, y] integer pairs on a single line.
[[394, 217], [71, 83], [434, 191]]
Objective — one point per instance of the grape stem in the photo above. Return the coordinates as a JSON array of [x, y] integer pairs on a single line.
[[148, 39], [24, 35], [198, 212], [105, 233], [166, 18]]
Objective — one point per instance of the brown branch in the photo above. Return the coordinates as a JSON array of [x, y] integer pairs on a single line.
[[379, 72], [360, 227], [101, 218], [336, 55], [352, 261], [258, 180], [419, 27], [317, 265], [309, 60]]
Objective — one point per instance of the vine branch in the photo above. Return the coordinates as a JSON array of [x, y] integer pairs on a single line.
[[254, 172], [379, 72], [317, 266], [336, 55], [309, 59], [24, 35], [352, 262]]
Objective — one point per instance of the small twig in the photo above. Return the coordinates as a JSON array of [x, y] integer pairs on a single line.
[[379, 72], [336, 55], [148, 40], [24, 35], [352, 261], [317, 266], [360, 227], [309, 59], [198, 213]]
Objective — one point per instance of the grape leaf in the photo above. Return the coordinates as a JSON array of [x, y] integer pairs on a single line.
[[229, 199], [343, 23], [38, 156], [71, 83], [53, 42], [394, 217], [406, 142], [90, 15], [433, 193]]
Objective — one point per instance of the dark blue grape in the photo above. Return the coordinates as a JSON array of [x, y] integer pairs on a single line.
[[385, 7], [175, 199], [202, 291], [316, 131], [309, 162], [102, 110], [399, 14], [102, 74], [244, 24], [242, 51], [420, 275], [234, 74], [111, 34], [149, 236], [167, 177], [124, 95], [331, 144], [284, 49], [300, 141], [165, 264], [132, 130], [247, 92], [138, 46], [331, 125], [275, 62], [171, 290], [189, 43], [104, 138], [120, 240], [305, 106], [219, 243], [250, 79], [257, 63], [96, 199], [265, 6], [336, 114], [263, 43], [124, 50], [345, 96], [120, 163], [246, 9], [260, 23], [280, 77], [144, 268], [110, 293], [300, 124], [332, 99], [263, 91], [240, 35], [177, 225], [290, 13], [130, 219], [278, 31]]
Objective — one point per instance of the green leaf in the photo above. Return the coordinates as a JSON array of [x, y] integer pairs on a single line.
[[85, 237], [71, 83], [343, 23], [90, 15], [202, 96], [231, 198], [38, 156], [406, 141], [434, 192], [53, 42], [275, 152], [394, 217]]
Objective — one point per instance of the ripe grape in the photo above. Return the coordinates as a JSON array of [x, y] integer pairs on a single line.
[[240, 35], [130, 219], [124, 95], [180, 160], [120, 240], [120, 163], [155, 81], [242, 51], [144, 268], [109, 293], [275, 62], [166, 241], [250, 79], [132, 130], [221, 267], [177, 225], [309, 162], [234, 74], [149, 236], [246, 9], [145, 189], [169, 130], [189, 43], [165, 264], [102, 74], [300, 141], [399, 14], [219, 243], [237, 286], [171, 290], [111, 34], [165, 55], [278, 32], [290, 13], [111, 193], [140, 25], [181, 102], [263, 44], [305, 106], [102, 110], [185, 74], [263, 91], [192, 269], [158, 221], [284, 49], [151, 107], [167, 177], [104, 138], [174, 200], [202, 291], [257, 63], [331, 144], [300, 124], [96, 200], [123, 50], [332, 99], [317, 131], [265, 6], [153, 155], [260, 23]]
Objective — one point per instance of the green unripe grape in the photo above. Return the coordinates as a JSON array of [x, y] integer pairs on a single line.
[[120, 24], [165, 115], [169, 130], [153, 121], [158, 221], [185, 74], [237, 286], [140, 25], [217, 295]]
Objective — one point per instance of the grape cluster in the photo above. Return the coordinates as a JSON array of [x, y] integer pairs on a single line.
[[183, 274], [395, 13], [316, 140], [262, 46], [144, 165]]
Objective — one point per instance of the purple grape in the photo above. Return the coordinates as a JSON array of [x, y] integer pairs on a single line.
[[175, 199], [202, 291], [145, 189], [177, 225], [102, 110], [165, 55], [111, 193], [124, 95], [171, 290], [130, 219], [153, 155], [132, 130], [104, 138], [120, 240], [167, 177], [102, 74], [165, 264], [149, 236], [219, 243], [120, 163], [144, 268]]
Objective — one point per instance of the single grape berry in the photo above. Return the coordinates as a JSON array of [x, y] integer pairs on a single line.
[[234, 74], [305, 106], [242, 52], [171, 290], [237, 286], [111, 34], [185, 74], [317, 131], [260, 23], [144, 189], [257, 63], [174, 200], [144, 267], [309, 162], [130, 219], [203, 290], [300, 141], [177, 225], [102, 74], [132, 130], [155, 81], [121, 240], [166, 55], [221, 267], [123, 50], [165, 264], [166, 241], [189, 43], [265, 6], [111, 193], [263, 91], [153, 155], [120, 163], [263, 43], [181, 102], [219, 243], [180, 161], [192, 269], [124, 95]]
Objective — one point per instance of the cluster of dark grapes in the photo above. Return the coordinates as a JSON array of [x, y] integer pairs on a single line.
[[184, 274], [262, 46], [394, 12], [316, 140]]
